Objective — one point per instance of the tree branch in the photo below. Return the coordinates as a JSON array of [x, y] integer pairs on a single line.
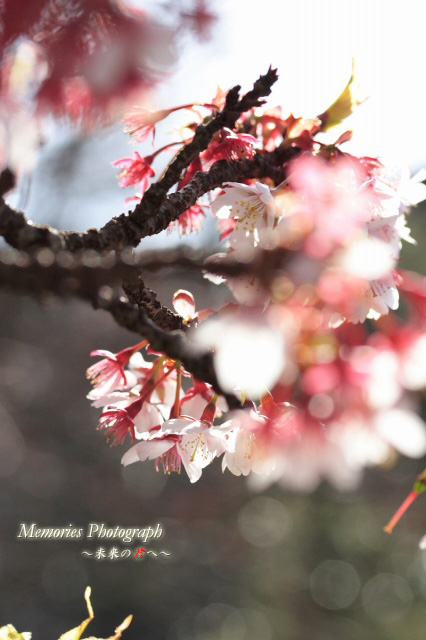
[[122, 231], [65, 274], [174, 344], [62, 274], [156, 210], [265, 264], [146, 299], [91, 284], [204, 133]]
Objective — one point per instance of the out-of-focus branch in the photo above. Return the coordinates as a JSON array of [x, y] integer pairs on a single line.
[[7, 181], [62, 274], [83, 274], [263, 263]]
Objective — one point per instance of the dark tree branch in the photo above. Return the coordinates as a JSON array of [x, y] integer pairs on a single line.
[[82, 274], [7, 181], [156, 210], [265, 264], [122, 232], [204, 133], [91, 284], [173, 343], [70, 263], [146, 299], [221, 172], [24, 234]]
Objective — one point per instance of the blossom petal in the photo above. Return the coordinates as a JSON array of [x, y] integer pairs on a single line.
[[404, 430], [147, 450], [184, 304]]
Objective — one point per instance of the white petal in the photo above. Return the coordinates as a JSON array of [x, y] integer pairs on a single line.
[[147, 418], [194, 407], [221, 205], [241, 459], [181, 425], [413, 193], [137, 361], [249, 356], [147, 450], [368, 258], [404, 430], [413, 374], [119, 400], [195, 454]]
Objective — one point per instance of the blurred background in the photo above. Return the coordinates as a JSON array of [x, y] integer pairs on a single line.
[[243, 565]]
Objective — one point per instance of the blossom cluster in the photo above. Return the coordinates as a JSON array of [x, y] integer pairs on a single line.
[[325, 369]]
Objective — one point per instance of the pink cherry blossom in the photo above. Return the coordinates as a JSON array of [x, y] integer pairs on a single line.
[[108, 374], [233, 146], [322, 396], [184, 305], [200, 19], [190, 221], [135, 171], [140, 123], [130, 416], [333, 199], [195, 399]]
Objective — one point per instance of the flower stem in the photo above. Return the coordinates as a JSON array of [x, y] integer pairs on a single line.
[[418, 488], [175, 412], [400, 512], [166, 146]]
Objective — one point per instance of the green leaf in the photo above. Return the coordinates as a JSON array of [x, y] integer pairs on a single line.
[[344, 105]]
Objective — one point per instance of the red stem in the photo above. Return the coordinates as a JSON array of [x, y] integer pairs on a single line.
[[400, 512]]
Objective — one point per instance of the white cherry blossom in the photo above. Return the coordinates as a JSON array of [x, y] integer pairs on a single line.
[[252, 207], [183, 440]]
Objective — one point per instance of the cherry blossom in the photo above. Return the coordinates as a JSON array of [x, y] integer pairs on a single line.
[[332, 200], [253, 209], [108, 374], [249, 352], [193, 443], [200, 18], [140, 123], [194, 401], [234, 146], [136, 419], [190, 221], [134, 171], [184, 304], [322, 394]]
